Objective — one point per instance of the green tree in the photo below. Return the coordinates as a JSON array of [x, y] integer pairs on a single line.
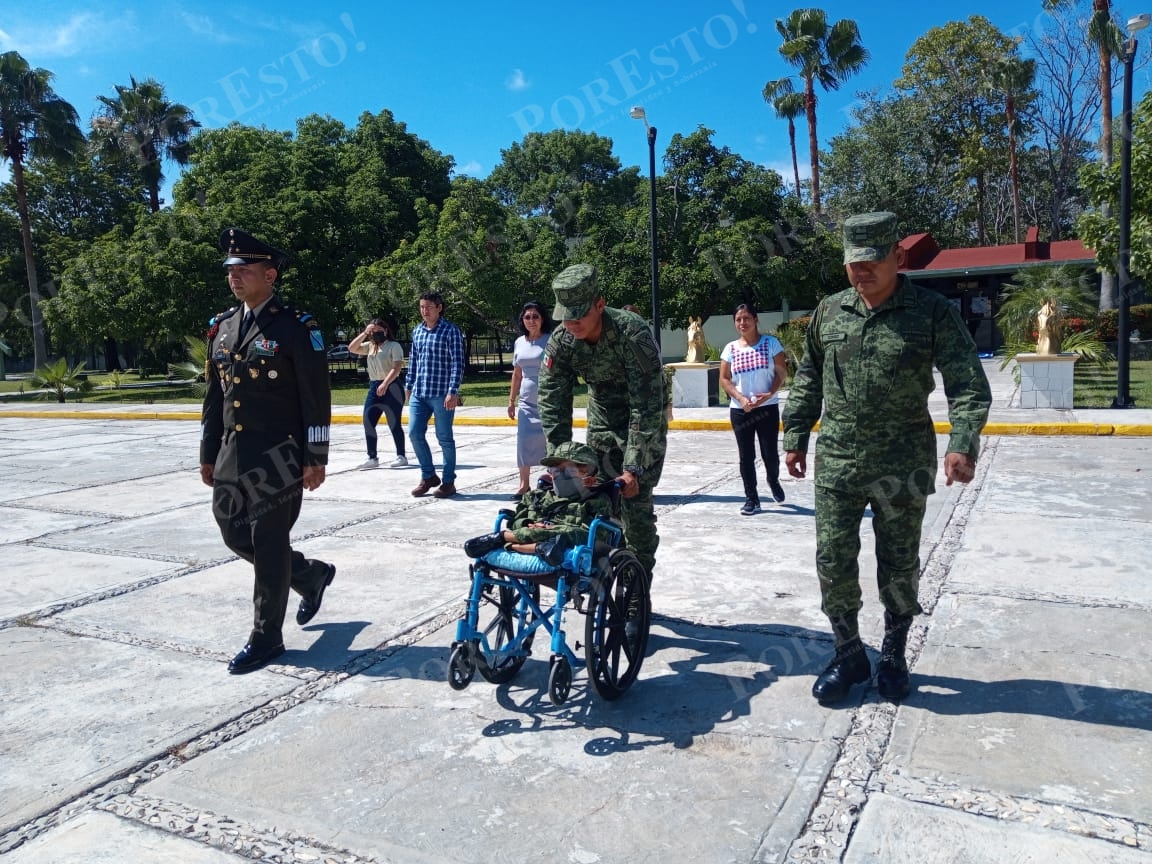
[[1065, 112], [966, 118], [788, 105], [559, 175], [1012, 78], [823, 54], [59, 380], [1108, 39], [140, 125], [34, 122], [1098, 226], [876, 164], [1065, 291]]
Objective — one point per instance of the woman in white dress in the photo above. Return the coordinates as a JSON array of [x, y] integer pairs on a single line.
[[526, 358]]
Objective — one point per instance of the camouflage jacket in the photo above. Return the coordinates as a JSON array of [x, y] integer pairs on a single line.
[[872, 370], [554, 515], [625, 389]]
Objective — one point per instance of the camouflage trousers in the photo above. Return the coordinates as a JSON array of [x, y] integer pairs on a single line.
[[897, 524], [638, 513]]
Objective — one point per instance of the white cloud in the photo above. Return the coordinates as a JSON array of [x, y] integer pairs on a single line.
[[517, 82], [83, 31], [471, 169], [204, 25]]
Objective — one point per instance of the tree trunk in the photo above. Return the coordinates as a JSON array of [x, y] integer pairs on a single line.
[[39, 346], [1013, 168], [813, 147], [981, 227], [111, 356], [154, 198], [795, 164]]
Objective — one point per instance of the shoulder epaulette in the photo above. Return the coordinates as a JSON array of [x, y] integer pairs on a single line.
[[227, 313]]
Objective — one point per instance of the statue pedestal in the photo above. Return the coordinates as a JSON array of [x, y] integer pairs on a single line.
[[695, 385], [1046, 380]]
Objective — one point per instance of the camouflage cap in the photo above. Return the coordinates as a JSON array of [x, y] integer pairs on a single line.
[[869, 236], [576, 289], [572, 451]]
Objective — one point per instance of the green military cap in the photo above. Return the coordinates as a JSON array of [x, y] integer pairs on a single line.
[[576, 289], [572, 451], [869, 236]]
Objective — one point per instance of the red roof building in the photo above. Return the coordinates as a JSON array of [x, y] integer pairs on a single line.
[[973, 278]]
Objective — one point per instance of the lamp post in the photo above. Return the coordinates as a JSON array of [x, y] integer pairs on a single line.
[[637, 113], [1124, 277]]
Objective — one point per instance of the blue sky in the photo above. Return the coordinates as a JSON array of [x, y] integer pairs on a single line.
[[472, 78]]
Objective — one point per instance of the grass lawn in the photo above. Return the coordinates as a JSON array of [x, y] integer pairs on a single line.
[[479, 389], [1095, 387]]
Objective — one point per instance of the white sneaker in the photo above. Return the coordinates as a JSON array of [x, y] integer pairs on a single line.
[[369, 463], [399, 462]]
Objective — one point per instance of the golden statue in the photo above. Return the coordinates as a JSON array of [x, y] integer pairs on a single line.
[[697, 352], [1048, 329]]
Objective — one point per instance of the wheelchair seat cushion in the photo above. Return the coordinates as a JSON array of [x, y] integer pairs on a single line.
[[518, 563]]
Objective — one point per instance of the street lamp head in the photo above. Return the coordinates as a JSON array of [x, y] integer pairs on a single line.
[[638, 113], [1135, 23]]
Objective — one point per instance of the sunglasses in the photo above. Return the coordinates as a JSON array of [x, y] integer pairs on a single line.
[[531, 316]]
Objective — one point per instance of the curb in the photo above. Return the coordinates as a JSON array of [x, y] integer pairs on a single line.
[[1132, 430]]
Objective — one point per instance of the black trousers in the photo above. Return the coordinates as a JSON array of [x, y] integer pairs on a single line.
[[763, 425], [255, 511], [390, 405]]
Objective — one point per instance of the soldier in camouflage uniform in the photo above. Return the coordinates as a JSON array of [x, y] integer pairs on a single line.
[[562, 508], [614, 353], [869, 354]]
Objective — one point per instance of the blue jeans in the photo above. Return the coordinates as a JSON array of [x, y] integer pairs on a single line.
[[420, 409]]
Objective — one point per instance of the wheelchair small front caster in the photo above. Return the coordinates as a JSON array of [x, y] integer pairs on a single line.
[[559, 680], [460, 667]]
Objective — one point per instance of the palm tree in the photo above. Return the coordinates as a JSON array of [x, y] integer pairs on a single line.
[[1109, 41], [821, 53], [57, 380], [789, 105], [34, 122], [1012, 78], [139, 123], [1062, 290]]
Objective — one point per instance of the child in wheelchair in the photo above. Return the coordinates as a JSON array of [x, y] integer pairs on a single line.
[[555, 516]]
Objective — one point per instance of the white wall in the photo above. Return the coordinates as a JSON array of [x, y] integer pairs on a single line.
[[718, 332]]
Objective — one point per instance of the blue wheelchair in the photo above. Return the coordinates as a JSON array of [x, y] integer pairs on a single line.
[[600, 579]]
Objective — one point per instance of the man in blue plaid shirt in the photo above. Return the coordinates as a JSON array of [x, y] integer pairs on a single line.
[[435, 370]]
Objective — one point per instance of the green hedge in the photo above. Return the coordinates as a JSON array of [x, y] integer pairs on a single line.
[[1139, 318]]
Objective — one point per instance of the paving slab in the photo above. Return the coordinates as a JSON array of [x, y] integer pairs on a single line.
[[1034, 699], [100, 838], [41, 577], [18, 523], [381, 590], [128, 498], [1088, 561], [893, 831], [112, 706], [686, 748]]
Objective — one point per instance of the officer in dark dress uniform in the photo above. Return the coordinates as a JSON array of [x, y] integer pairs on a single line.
[[264, 438]]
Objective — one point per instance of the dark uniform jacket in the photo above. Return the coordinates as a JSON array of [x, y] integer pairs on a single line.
[[269, 390], [872, 370]]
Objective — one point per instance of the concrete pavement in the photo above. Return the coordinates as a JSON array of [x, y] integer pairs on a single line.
[[123, 739]]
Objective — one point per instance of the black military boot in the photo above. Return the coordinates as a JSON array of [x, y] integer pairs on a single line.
[[892, 679], [849, 666]]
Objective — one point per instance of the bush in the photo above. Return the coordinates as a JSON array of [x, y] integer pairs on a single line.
[[1139, 318], [791, 335]]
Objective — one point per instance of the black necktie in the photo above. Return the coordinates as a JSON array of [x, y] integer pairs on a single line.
[[246, 324]]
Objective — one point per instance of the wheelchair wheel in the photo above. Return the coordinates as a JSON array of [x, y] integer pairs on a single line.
[[460, 667], [501, 629], [616, 629], [559, 679]]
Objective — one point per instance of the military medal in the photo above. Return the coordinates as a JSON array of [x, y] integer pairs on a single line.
[[273, 373], [255, 373]]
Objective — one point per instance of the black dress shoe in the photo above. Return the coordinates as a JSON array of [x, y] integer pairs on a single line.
[[310, 604], [480, 546], [251, 658]]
